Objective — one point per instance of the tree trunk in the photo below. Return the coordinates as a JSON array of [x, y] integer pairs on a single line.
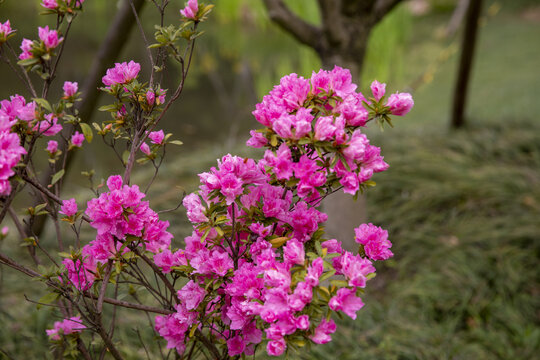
[[465, 64]]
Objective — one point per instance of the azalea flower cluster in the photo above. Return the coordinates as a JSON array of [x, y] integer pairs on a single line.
[[258, 264], [69, 326], [118, 216], [11, 151], [50, 39], [312, 127], [121, 82], [5, 31]]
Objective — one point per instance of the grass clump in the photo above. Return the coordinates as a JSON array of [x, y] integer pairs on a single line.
[[463, 211]]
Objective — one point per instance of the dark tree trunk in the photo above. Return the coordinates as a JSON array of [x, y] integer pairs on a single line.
[[340, 40], [465, 63], [109, 51]]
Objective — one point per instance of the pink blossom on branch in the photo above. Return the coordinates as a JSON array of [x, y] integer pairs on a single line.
[[400, 103], [122, 73], [191, 9], [26, 47], [49, 37], [145, 148], [69, 207], [49, 4], [378, 90], [375, 241], [5, 30], [69, 326], [52, 147], [70, 89], [77, 139], [157, 137]]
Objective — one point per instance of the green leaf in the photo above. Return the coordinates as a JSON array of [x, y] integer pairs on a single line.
[[47, 299], [176, 142], [57, 176], [44, 104], [125, 156], [111, 108], [28, 62], [87, 131], [327, 275]]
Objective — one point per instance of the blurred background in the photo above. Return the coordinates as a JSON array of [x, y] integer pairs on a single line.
[[462, 205]]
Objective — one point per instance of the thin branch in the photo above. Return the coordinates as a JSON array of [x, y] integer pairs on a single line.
[[129, 305], [48, 193], [148, 50]]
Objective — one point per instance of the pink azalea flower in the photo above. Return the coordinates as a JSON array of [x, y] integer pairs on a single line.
[[378, 90], [236, 345], [26, 47], [346, 301], [77, 139], [49, 37], [375, 241], [400, 103], [191, 9], [122, 73], [191, 295], [70, 88], [150, 97], [49, 126], [5, 30], [49, 4], [323, 332], [293, 252], [195, 210], [324, 128], [276, 347], [157, 137], [69, 207], [69, 326]]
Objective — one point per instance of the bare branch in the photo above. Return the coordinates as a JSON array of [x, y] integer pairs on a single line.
[[304, 32]]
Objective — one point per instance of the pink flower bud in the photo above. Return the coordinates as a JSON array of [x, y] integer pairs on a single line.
[[378, 90], [191, 9], [4, 231], [150, 97], [52, 147], [77, 139], [70, 88], [400, 103], [5, 30], [145, 148]]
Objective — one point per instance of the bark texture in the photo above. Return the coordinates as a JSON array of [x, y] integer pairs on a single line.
[[465, 63], [341, 40]]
